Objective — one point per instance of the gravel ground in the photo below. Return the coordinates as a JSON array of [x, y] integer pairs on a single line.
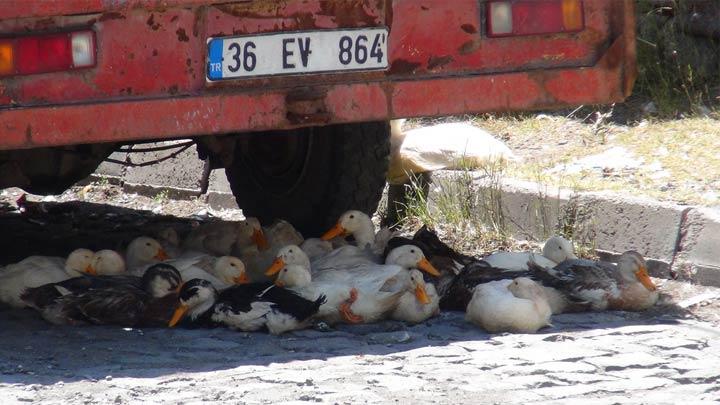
[[670, 354]]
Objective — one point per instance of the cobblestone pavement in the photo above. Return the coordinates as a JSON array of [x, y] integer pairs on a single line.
[[667, 356]]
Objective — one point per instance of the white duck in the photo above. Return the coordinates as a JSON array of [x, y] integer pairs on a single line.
[[107, 262], [420, 305], [556, 250], [35, 271], [517, 305], [143, 251], [360, 226], [221, 272], [170, 241]]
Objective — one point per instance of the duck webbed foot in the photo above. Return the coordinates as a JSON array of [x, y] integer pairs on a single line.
[[345, 310]]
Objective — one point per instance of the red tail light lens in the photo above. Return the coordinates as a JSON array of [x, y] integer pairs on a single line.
[[532, 17], [47, 53]]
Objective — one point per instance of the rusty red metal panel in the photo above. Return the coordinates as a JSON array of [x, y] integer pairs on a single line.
[[149, 81], [218, 114]]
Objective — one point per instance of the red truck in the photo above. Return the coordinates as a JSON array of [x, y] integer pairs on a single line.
[[291, 97]]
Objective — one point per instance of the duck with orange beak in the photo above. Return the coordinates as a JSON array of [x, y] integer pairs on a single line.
[[623, 286], [419, 305], [118, 299], [247, 307], [143, 251], [35, 271], [222, 272], [360, 226]]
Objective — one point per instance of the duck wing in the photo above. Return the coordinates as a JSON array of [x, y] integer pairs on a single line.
[[459, 292], [158, 311], [40, 297], [583, 280], [436, 247], [344, 258], [292, 303], [121, 305]]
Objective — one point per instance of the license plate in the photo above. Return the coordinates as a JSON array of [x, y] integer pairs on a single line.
[[297, 52]]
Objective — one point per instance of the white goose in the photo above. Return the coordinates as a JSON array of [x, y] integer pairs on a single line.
[[35, 271], [517, 305], [556, 250]]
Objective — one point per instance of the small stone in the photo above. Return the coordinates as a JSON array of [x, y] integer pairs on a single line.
[[390, 337]]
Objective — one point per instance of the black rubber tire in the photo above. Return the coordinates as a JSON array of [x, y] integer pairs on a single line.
[[335, 168]]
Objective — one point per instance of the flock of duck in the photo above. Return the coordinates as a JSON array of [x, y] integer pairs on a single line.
[[247, 277]]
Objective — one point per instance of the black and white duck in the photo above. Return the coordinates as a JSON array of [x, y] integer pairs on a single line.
[[247, 307]]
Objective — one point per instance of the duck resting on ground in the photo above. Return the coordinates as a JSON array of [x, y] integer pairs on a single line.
[[247, 307], [419, 305], [142, 251], [35, 271], [128, 301], [556, 249], [359, 225], [517, 305], [622, 286], [222, 271]]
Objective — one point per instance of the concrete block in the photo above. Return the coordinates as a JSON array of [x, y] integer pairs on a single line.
[[532, 212], [183, 172], [623, 223], [698, 257], [219, 182], [220, 195]]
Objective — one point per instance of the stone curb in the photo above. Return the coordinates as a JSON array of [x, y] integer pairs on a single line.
[[679, 241]]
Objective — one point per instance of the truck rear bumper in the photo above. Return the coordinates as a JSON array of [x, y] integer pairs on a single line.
[[123, 121]]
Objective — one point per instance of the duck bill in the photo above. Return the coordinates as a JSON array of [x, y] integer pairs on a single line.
[[643, 277], [258, 238], [90, 270], [177, 315], [241, 279], [427, 267], [333, 233], [279, 283], [161, 255], [421, 295], [277, 265]]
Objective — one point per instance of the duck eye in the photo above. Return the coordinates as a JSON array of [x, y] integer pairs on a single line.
[[290, 251], [412, 250], [352, 216], [147, 244], [232, 264], [284, 270]]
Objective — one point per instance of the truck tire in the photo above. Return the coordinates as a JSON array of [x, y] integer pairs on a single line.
[[309, 176]]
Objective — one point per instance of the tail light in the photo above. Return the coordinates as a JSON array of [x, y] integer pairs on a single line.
[[47, 53], [530, 17]]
